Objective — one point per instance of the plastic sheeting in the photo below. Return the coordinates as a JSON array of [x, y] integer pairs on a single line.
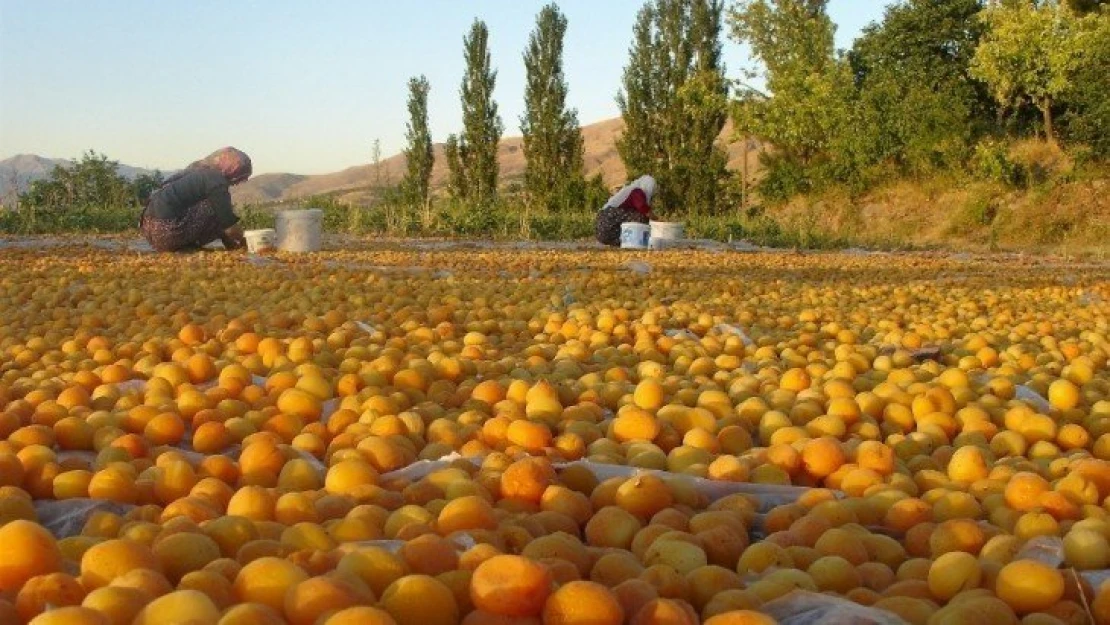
[[802, 607], [1049, 550], [1025, 394], [726, 329], [462, 541], [68, 517]]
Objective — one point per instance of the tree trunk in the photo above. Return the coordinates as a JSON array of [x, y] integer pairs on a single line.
[[1049, 132], [744, 177]]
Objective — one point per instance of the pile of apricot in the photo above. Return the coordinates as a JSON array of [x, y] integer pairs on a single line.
[[496, 436]]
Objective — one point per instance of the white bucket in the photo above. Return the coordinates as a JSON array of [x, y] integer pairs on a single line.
[[665, 233], [260, 240], [634, 236], [300, 230]]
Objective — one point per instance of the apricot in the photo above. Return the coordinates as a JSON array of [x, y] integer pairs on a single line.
[[104, 562], [510, 586], [953, 573], [420, 599], [309, 600], [119, 605], [582, 603], [185, 552], [31, 552], [360, 615], [52, 590], [612, 527], [189, 606], [266, 580], [1029, 586], [644, 495], [69, 615]]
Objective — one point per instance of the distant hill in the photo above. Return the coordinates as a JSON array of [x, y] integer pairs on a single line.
[[355, 184], [18, 172]]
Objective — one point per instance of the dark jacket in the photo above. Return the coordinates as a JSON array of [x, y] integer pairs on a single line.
[[190, 187]]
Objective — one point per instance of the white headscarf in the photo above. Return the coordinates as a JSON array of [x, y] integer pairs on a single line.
[[644, 183]]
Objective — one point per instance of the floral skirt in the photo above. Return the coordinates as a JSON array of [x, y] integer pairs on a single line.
[[609, 221], [197, 227]]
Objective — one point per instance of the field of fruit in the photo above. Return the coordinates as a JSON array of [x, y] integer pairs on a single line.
[[414, 434]]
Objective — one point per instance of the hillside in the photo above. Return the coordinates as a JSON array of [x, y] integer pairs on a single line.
[[354, 183]]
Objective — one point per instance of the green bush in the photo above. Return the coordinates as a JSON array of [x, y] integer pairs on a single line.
[[561, 226], [74, 219], [991, 161], [784, 179]]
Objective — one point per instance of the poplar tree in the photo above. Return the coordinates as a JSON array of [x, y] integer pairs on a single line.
[[552, 137], [472, 155], [419, 157], [674, 102]]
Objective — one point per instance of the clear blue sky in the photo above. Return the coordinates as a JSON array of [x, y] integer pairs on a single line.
[[302, 86]]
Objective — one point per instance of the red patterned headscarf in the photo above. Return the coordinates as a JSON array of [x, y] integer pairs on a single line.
[[234, 164]]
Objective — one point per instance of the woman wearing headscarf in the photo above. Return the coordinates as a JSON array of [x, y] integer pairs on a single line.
[[632, 203], [193, 207]]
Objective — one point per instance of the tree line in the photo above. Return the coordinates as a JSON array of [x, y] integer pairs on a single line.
[[935, 86], [673, 98], [929, 88]]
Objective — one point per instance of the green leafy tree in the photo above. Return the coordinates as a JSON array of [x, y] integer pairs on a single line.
[[1029, 54], [674, 102], [640, 99], [419, 156], [919, 108], [146, 184], [812, 94], [551, 134], [472, 155], [1087, 116], [92, 181]]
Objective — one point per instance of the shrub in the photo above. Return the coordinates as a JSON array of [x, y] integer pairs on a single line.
[[991, 161]]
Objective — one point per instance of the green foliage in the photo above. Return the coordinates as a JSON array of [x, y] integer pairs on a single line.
[[674, 104], [472, 155], [419, 157], [1083, 7], [919, 109], [638, 99], [456, 173], [145, 185], [336, 215], [585, 194], [90, 195], [551, 135], [917, 93], [1029, 54], [1087, 117], [93, 180], [785, 177], [991, 161], [85, 219], [812, 102], [561, 226], [979, 211]]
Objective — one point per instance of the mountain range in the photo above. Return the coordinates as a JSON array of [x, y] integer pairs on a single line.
[[356, 184]]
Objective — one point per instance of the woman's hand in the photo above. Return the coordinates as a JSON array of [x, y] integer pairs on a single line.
[[233, 238]]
